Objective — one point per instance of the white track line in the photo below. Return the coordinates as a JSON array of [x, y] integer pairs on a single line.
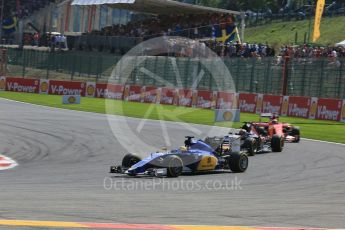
[[101, 114], [327, 142]]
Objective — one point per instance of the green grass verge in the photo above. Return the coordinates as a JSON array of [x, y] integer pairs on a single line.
[[315, 129], [332, 32]]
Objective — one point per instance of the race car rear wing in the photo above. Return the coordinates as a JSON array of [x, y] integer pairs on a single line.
[[267, 115]]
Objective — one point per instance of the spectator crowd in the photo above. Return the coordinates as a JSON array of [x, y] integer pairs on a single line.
[[201, 27], [192, 26], [310, 51]]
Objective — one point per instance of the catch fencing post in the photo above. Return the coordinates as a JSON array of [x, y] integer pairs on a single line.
[[23, 52], [267, 73], [303, 80], [321, 79], [285, 75], [252, 75], [237, 79], [341, 83], [99, 69]]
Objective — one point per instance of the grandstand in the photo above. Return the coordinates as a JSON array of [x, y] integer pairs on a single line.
[[116, 26]]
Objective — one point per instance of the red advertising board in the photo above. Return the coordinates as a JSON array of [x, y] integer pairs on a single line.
[[66, 88], [272, 104], [23, 85], [110, 91], [185, 97], [297, 106], [150, 94], [226, 100], [206, 99], [132, 93], [168, 96], [247, 102], [328, 109]]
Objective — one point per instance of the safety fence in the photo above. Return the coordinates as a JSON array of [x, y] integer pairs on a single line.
[[322, 77], [263, 18], [292, 106]]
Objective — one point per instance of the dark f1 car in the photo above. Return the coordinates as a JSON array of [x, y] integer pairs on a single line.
[[194, 156], [273, 126], [268, 136], [239, 141], [257, 139]]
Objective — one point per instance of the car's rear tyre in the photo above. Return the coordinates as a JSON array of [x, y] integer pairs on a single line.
[[277, 143], [174, 166], [295, 132], [251, 146], [238, 162], [129, 160]]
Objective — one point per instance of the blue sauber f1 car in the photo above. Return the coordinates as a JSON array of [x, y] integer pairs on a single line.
[[195, 156]]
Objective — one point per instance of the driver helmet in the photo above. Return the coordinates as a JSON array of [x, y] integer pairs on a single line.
[[242, 132], [274, 121], [274, 117], [246, 127], [183, 149]]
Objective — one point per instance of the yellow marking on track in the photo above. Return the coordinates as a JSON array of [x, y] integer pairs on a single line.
[[33, 223], [202, 227]]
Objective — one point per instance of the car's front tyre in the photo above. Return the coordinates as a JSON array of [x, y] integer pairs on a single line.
[[174, 166], [251, 146], [238, 162], [129, 160], [296, 133], [277, 143]]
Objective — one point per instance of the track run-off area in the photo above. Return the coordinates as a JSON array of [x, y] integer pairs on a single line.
[[62, 179]]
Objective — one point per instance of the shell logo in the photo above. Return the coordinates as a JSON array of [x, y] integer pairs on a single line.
[[343, 113], [285, 106], [259, 104], [72, 99], [44, 87], [227, 115], [2, 84], [90, 90], [313, 108], [214, 100], [194, 98], [159, 96], [126, 92], [176, 97]]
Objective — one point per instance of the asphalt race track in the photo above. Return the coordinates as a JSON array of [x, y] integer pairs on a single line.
[[64, 158]]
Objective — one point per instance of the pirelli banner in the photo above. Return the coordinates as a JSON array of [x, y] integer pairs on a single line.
[[290, 106]]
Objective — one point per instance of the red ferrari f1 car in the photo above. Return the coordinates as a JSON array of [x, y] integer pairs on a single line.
[[273, 127]]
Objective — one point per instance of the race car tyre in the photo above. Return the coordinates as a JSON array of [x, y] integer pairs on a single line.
[[238, 162], [129, 160], [174, 166], [295, 132], [251, 146], [277, 143]]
